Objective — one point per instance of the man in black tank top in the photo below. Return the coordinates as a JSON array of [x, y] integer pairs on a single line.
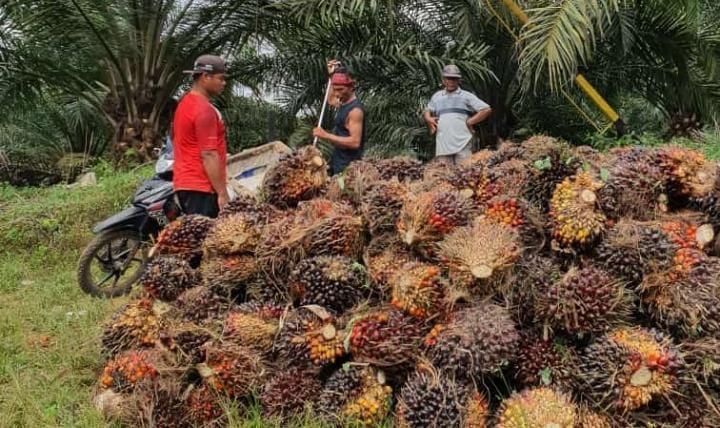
[[348, 137]]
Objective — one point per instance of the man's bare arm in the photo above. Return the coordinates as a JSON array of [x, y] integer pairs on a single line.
[[215, 171], [354, 127], [479, 116]]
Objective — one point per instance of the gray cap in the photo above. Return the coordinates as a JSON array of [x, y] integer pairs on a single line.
[[212, 64], [451, 70]]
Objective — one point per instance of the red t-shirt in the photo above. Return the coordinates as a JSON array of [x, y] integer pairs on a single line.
[[197, 126]]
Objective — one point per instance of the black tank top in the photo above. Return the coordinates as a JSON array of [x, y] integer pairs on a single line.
[[341, 158]]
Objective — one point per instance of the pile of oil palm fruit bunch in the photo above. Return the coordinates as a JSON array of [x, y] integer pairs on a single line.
[[535, 285]]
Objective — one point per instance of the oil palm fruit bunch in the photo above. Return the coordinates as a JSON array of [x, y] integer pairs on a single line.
[[473, 181], [575, 218], [479, 252], [588, 418], [203, 407], [385, 337], [183, 236], [629, 367], [381, 206], [687, 232], [253, 324], [129, 369], [334, 282], [535, 274], [517, 214], [688, 172], [201, 305], [710, 203], [310, 335], [634, 187], [418, 289], [506, 151], [297, 176], [154, 404], [247, 203], [542, 362], [358, 178], [319, 227], [234, 234], [288, 392], [511, 177], [431, 398], [439, 173], [166, 277], [135, 325], [186, 340], [231, 369], [632, 249], [477, 340], [401, 167], [383, 256], [355, 395], [537, 408], [228, 275], [428, 216], [687, 297], [586, 300], [550, 161]]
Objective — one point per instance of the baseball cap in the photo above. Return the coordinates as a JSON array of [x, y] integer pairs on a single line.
[[451, 70], [212, 64], [341, 79]]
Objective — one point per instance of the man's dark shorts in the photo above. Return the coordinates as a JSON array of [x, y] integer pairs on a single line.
[[202, 203]]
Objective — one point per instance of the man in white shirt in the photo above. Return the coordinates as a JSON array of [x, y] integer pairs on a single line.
[[451, 114]]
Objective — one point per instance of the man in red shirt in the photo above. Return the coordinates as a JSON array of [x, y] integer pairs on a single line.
[[199, 148]]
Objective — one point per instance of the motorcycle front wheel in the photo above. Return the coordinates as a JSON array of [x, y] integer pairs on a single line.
[[111, 263]]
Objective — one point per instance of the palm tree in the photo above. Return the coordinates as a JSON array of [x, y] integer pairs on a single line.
[[124, 58]]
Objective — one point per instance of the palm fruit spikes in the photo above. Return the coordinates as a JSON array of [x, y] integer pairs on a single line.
[[381, 206], [201, 305], [481, 251], [428, 216], [288, 392], [688, 172], [576, 221], [587, 418], [309, 336], [228, 276], [183, 237], [135, 325], [358, 178], [628, 367], [203, 407], [384, 256], [431, 398], [296, 177], [542, 362], [385, 338], [506, 211], [129, 369], [537, 408], [632, 249], [550, 162], [234, 234], [418, 289], [253, 324], [231, 369], [686, 297], [400, 167], [477, 340], [336, 283], [634, 186], [585, 300], [166, 277]]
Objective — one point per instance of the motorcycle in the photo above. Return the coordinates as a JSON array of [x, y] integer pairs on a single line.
[[116, 257]]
